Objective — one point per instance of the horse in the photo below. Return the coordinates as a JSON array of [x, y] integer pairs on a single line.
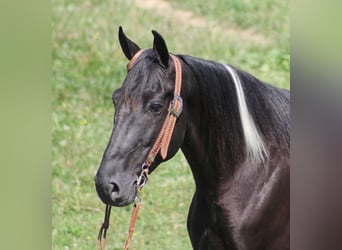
[[233, 130]]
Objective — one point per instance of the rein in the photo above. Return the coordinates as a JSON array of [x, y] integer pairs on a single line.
[[161, 145]]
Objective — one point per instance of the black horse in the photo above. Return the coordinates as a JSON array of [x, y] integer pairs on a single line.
[[234, 133]]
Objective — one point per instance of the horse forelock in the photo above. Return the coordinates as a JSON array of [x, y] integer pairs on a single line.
[[144, 77]]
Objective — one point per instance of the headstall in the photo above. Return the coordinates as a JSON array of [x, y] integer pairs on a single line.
[[161, 145]]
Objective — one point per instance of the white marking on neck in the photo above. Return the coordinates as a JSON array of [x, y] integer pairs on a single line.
[[255, 146]]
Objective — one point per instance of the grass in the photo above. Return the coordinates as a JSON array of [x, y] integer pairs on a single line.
[[88, 65]]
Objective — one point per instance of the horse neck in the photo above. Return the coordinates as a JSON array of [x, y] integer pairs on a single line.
[[217, 142], [205, 146]]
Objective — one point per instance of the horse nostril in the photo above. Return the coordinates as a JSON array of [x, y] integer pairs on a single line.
[[115, 188]]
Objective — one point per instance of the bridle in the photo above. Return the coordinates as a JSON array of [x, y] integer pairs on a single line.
[[161, 145]]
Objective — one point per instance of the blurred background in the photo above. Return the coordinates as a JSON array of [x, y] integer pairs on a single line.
[[88, 64]]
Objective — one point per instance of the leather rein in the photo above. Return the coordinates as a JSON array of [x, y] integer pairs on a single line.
[[161, 145]]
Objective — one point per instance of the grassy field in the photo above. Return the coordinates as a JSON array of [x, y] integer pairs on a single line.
[[88, 65]]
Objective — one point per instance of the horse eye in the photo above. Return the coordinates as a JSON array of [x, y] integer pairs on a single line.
[[155, 107]]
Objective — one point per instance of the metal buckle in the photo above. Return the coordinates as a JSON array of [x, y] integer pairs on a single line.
[[143, 177], [173, 111], [137, 200]]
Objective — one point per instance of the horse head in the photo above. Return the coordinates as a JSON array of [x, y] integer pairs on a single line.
[[141, 107]]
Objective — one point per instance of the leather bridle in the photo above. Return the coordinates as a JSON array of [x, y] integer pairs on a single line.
[[161, 145]]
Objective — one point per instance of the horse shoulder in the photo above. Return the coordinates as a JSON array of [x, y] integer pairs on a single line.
[[253, 206]]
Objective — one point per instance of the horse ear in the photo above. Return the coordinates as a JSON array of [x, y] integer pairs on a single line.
[[160, 48], [128, 47]]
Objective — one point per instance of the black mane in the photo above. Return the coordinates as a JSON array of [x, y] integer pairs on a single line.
[[267, 105]]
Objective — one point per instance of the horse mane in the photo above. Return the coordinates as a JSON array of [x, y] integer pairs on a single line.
[[244, 115]]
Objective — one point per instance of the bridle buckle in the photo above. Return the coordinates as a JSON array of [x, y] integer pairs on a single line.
[[143, 177]]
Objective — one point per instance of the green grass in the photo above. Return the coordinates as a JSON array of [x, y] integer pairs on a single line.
[[268, 17], [88, 65]]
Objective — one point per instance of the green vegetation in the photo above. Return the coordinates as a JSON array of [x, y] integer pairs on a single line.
[[88, 65]]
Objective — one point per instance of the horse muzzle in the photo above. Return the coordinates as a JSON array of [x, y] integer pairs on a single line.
[[114, 190]]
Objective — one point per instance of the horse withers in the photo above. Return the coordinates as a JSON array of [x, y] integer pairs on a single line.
[[233, 130]]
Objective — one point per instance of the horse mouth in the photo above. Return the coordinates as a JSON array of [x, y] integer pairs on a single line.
[[118, 201], [122, 202]]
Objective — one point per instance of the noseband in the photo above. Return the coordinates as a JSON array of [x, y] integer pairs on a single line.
[[161, 145]]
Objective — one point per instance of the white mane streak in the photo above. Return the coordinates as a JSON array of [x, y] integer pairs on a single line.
[[255, 146]]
